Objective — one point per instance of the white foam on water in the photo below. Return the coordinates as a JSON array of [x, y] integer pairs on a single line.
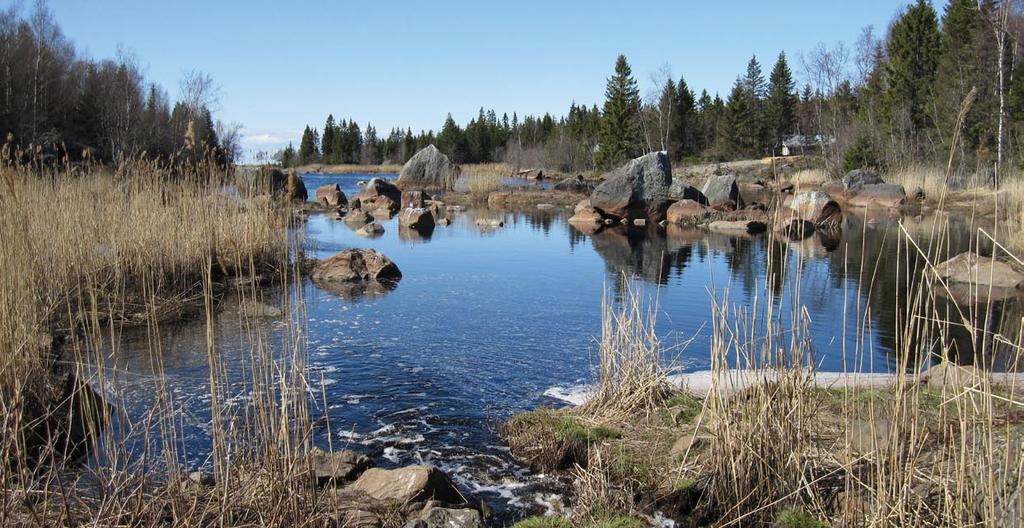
[[393, 454], [573, 394]]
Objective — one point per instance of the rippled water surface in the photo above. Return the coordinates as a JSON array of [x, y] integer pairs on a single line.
[[485, 321]]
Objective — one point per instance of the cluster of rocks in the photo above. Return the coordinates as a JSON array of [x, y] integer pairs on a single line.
[[642, 192], [364, 496]]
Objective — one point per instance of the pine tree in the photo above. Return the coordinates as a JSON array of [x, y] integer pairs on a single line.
[[620, 126], [780, 105], [914, 46]]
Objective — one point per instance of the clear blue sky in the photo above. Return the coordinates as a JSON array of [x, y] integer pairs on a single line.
[[282, 65]]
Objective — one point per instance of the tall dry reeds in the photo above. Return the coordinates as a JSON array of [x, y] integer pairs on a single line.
[[90, 251], [631, 378]]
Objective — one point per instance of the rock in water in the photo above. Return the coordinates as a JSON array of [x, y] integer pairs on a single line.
[[723, 193], [816, 207], [371, 230], [428, 169], [584, 213], [970, 268], [416, 218], [408, 484], [687, 212], [638, 189], [358, 218], [330, 195], [354, 265], [379, 194]]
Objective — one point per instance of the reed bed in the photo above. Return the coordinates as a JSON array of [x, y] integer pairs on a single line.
[[88, 252]]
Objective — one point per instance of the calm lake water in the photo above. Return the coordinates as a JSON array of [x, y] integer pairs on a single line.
[[487, 322]]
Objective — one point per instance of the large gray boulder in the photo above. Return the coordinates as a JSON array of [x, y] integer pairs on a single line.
[[722, 192], [428, 169], [638, 189]]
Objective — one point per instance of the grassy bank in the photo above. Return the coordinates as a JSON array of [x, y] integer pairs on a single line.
[[939, 446]]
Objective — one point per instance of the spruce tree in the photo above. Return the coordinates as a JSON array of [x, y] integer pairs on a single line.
[[739, 134], [780, 105], [757, 93], [914, 45], [620, 126], [683, 133], [327, 140], [307, 147], [958, 69]]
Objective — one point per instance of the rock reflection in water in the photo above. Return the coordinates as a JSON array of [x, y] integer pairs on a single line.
[[410, 234], [358, 290]]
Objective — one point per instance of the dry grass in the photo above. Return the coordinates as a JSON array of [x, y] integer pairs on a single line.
[[349, 168], [89, 251], [488, 169], [481, 185], [809, 178], [631, 379]]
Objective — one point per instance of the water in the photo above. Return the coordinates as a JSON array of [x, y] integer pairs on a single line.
[[484, 322]]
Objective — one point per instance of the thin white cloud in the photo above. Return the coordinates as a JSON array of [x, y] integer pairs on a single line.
[[263, 139]]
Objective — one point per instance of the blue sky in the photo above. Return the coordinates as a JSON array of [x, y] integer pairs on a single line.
[[282, 65]]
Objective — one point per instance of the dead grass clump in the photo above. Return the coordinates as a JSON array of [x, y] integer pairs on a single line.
[[632, 380]]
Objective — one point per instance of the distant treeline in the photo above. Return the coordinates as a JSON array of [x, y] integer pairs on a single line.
[[56, 105], [882, 101]]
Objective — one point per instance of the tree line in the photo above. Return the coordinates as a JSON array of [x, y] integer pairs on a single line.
[[56, 105], [884, 101]]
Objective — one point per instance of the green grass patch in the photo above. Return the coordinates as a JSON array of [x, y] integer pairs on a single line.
[[685, 407], [569, 429], [792, 518]]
